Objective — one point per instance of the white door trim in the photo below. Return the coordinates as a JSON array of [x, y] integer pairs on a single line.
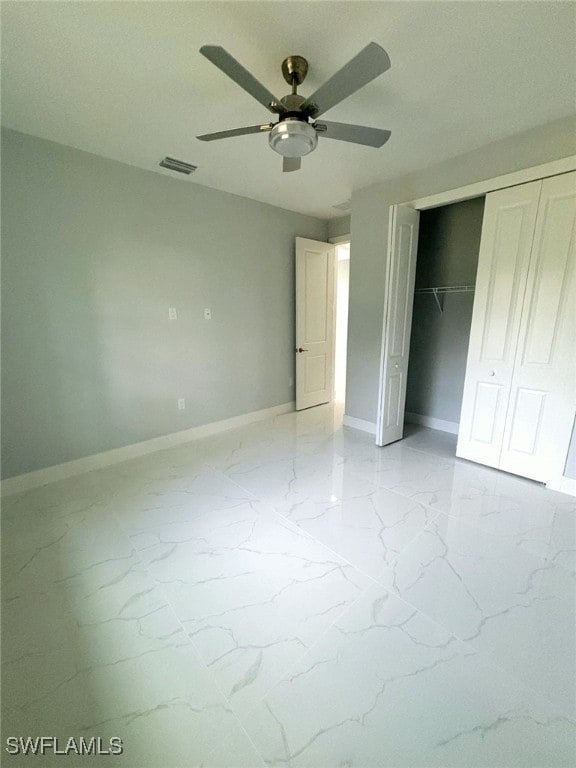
[[362, 424], [432, 423], [478, 188], [552, 168], [381, 393], [39, 477], [562, 484]]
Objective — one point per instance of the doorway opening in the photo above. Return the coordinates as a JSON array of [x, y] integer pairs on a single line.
[[341, 327], [446, 266]]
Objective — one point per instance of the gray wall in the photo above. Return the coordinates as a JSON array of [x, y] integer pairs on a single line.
[[94, 253], [448, 247], [339, 226], [369, 232]]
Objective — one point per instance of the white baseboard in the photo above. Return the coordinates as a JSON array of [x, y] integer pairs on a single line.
[[564, 485], [117, 455], [432, 423], [365, 426]]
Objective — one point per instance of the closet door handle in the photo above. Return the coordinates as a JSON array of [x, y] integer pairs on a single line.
[[301, 350], [491, 373]]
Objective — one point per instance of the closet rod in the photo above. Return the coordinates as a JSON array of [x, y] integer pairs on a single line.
[[445, 289]]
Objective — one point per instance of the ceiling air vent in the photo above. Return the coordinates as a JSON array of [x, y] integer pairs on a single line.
[[178, 165], [345, 206]]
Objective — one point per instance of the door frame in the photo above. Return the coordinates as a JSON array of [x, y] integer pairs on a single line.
[[458, 194], [338, 240]]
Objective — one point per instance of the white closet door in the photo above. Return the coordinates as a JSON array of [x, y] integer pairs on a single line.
[[507, 234], [401, 274], [541, 409]]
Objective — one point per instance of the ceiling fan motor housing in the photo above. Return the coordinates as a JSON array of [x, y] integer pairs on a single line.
[[293, 137]]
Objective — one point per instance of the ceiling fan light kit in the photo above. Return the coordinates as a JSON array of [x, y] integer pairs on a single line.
[[294, 136]]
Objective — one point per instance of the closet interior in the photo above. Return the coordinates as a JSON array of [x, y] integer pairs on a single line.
[[446, 266]]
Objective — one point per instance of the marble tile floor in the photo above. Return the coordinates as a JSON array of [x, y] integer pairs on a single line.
[[288, 594]]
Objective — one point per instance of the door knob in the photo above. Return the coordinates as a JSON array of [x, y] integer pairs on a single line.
[[492, 373], [300, 349]]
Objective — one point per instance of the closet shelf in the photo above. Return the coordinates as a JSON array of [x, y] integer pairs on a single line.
[[442, 289]]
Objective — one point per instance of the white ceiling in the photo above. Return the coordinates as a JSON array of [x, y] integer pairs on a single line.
[[125, 80]]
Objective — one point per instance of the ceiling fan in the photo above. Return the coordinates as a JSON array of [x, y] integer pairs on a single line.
[[294, 136]]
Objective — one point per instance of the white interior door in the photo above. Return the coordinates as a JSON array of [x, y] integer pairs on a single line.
[[315, 321], [505, 246], [541, 409], [401, 273]]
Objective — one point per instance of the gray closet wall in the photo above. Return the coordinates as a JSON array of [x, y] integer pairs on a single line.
[[448, 246]]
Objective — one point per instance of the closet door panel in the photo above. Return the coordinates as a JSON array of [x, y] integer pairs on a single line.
[[486, 406], [538, 427], [507, 234], [401, 274], [504, 285]]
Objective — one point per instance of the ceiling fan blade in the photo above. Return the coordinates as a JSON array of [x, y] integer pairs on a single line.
[[357, 134], [291, 164], [364, 67], [236, 132], [228, 64]]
